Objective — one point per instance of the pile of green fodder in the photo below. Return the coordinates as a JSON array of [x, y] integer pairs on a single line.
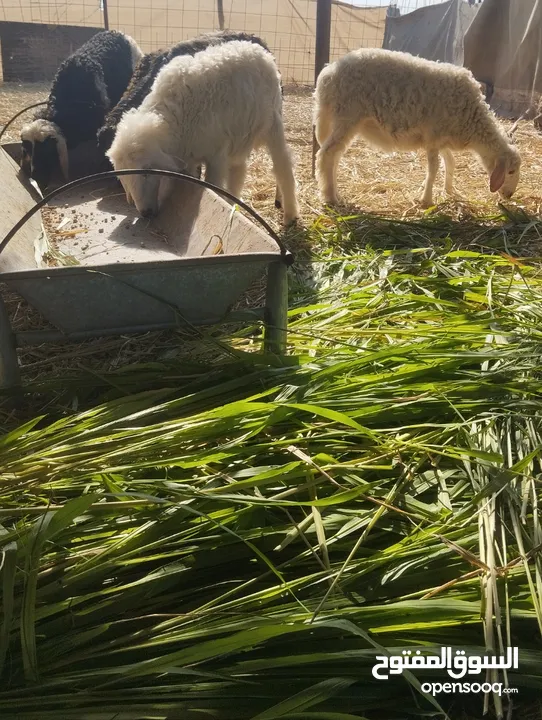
[[241, 540]]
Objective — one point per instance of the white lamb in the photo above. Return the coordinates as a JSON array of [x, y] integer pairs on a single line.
[[209, 109], [396, 101]]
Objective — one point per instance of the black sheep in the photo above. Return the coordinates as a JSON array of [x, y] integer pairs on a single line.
[[86, 86]]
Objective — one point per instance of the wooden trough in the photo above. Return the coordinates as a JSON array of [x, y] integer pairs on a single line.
[[124, 274]]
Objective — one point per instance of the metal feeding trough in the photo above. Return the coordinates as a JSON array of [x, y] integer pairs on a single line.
[[120, 273]]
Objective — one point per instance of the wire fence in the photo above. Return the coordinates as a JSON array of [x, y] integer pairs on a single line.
[[36, 35]]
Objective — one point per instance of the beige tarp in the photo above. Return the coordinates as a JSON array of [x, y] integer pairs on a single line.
[[288, 26], [503, 47], [434, 32]]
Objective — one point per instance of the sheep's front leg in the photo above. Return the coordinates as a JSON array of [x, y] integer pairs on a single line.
[[449, 168], [236, 178], [216, 171], [432, 170]]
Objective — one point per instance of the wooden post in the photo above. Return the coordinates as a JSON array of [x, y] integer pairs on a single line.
[[106, 14], [321, 55]]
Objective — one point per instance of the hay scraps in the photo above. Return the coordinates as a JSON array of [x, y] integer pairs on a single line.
[[56, 227]]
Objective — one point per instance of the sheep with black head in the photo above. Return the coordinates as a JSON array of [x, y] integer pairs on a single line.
[[86, 86]]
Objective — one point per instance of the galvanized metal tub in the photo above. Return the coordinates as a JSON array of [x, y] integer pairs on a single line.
[[188, 266]]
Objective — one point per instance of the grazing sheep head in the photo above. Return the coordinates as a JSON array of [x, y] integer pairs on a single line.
[[504, 175], [44, 151], [137, 146]]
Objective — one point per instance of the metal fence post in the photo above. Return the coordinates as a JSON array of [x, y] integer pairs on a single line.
[[386, 40], [9, 365], [321, 55], [106, 14], [220, 10], [276, 309]]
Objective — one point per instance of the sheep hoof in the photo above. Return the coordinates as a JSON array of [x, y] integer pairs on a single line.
[[426, 203], [289, 220]]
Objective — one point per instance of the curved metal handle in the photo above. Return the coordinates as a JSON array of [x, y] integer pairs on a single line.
[[286, 254]]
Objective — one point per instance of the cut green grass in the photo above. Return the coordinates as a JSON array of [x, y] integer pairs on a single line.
[[240, 539]]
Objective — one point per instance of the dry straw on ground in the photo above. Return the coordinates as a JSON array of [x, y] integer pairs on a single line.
[[369, 181]]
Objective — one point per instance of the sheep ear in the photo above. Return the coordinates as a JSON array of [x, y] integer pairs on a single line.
[[126, 191], [62, 149], [496, 181]]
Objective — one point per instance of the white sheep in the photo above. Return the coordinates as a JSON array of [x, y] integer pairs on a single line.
[[396, 101], [209, 109]]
